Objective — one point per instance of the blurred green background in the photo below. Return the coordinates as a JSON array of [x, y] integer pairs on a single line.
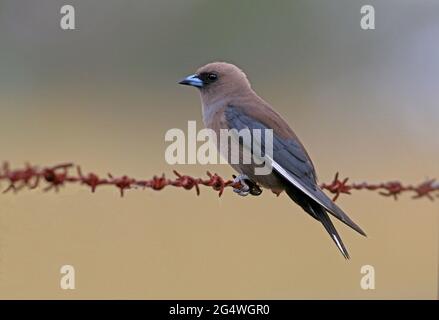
[[364, 103]]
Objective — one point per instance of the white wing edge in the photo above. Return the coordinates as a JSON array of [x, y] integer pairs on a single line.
[[295, 182]]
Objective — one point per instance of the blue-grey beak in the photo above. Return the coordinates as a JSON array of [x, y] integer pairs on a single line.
[[192, 80]]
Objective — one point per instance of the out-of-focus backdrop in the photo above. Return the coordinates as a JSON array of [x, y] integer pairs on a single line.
[[365, 103]]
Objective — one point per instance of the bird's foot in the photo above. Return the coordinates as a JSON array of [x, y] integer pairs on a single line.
[[246, 186]]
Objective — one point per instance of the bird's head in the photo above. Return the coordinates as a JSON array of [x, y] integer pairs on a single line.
[[218, 79]]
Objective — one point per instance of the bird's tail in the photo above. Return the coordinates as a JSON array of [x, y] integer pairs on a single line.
[[319, 213], [323, 217]]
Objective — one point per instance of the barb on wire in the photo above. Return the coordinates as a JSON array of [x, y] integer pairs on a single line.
[[57, 176]]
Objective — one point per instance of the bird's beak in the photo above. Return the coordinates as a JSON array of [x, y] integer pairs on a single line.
[[192, 80]]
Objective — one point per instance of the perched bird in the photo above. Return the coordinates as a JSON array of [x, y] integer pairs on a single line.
[[229, 102]]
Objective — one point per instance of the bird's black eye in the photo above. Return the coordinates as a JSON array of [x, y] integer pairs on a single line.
[[212, 77], [208, 77]]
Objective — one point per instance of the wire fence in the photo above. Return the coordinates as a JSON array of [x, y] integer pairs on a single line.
[[54, 177]]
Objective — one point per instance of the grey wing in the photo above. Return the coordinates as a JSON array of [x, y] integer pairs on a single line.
[[291, 162], [288, 154]]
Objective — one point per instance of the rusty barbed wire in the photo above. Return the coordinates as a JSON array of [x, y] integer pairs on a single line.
[[57, 176]]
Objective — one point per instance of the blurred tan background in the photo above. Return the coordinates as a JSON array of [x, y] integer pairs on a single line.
[[365, 103]]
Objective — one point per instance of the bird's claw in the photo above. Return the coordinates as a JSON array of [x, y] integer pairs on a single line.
[[246, 186]]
